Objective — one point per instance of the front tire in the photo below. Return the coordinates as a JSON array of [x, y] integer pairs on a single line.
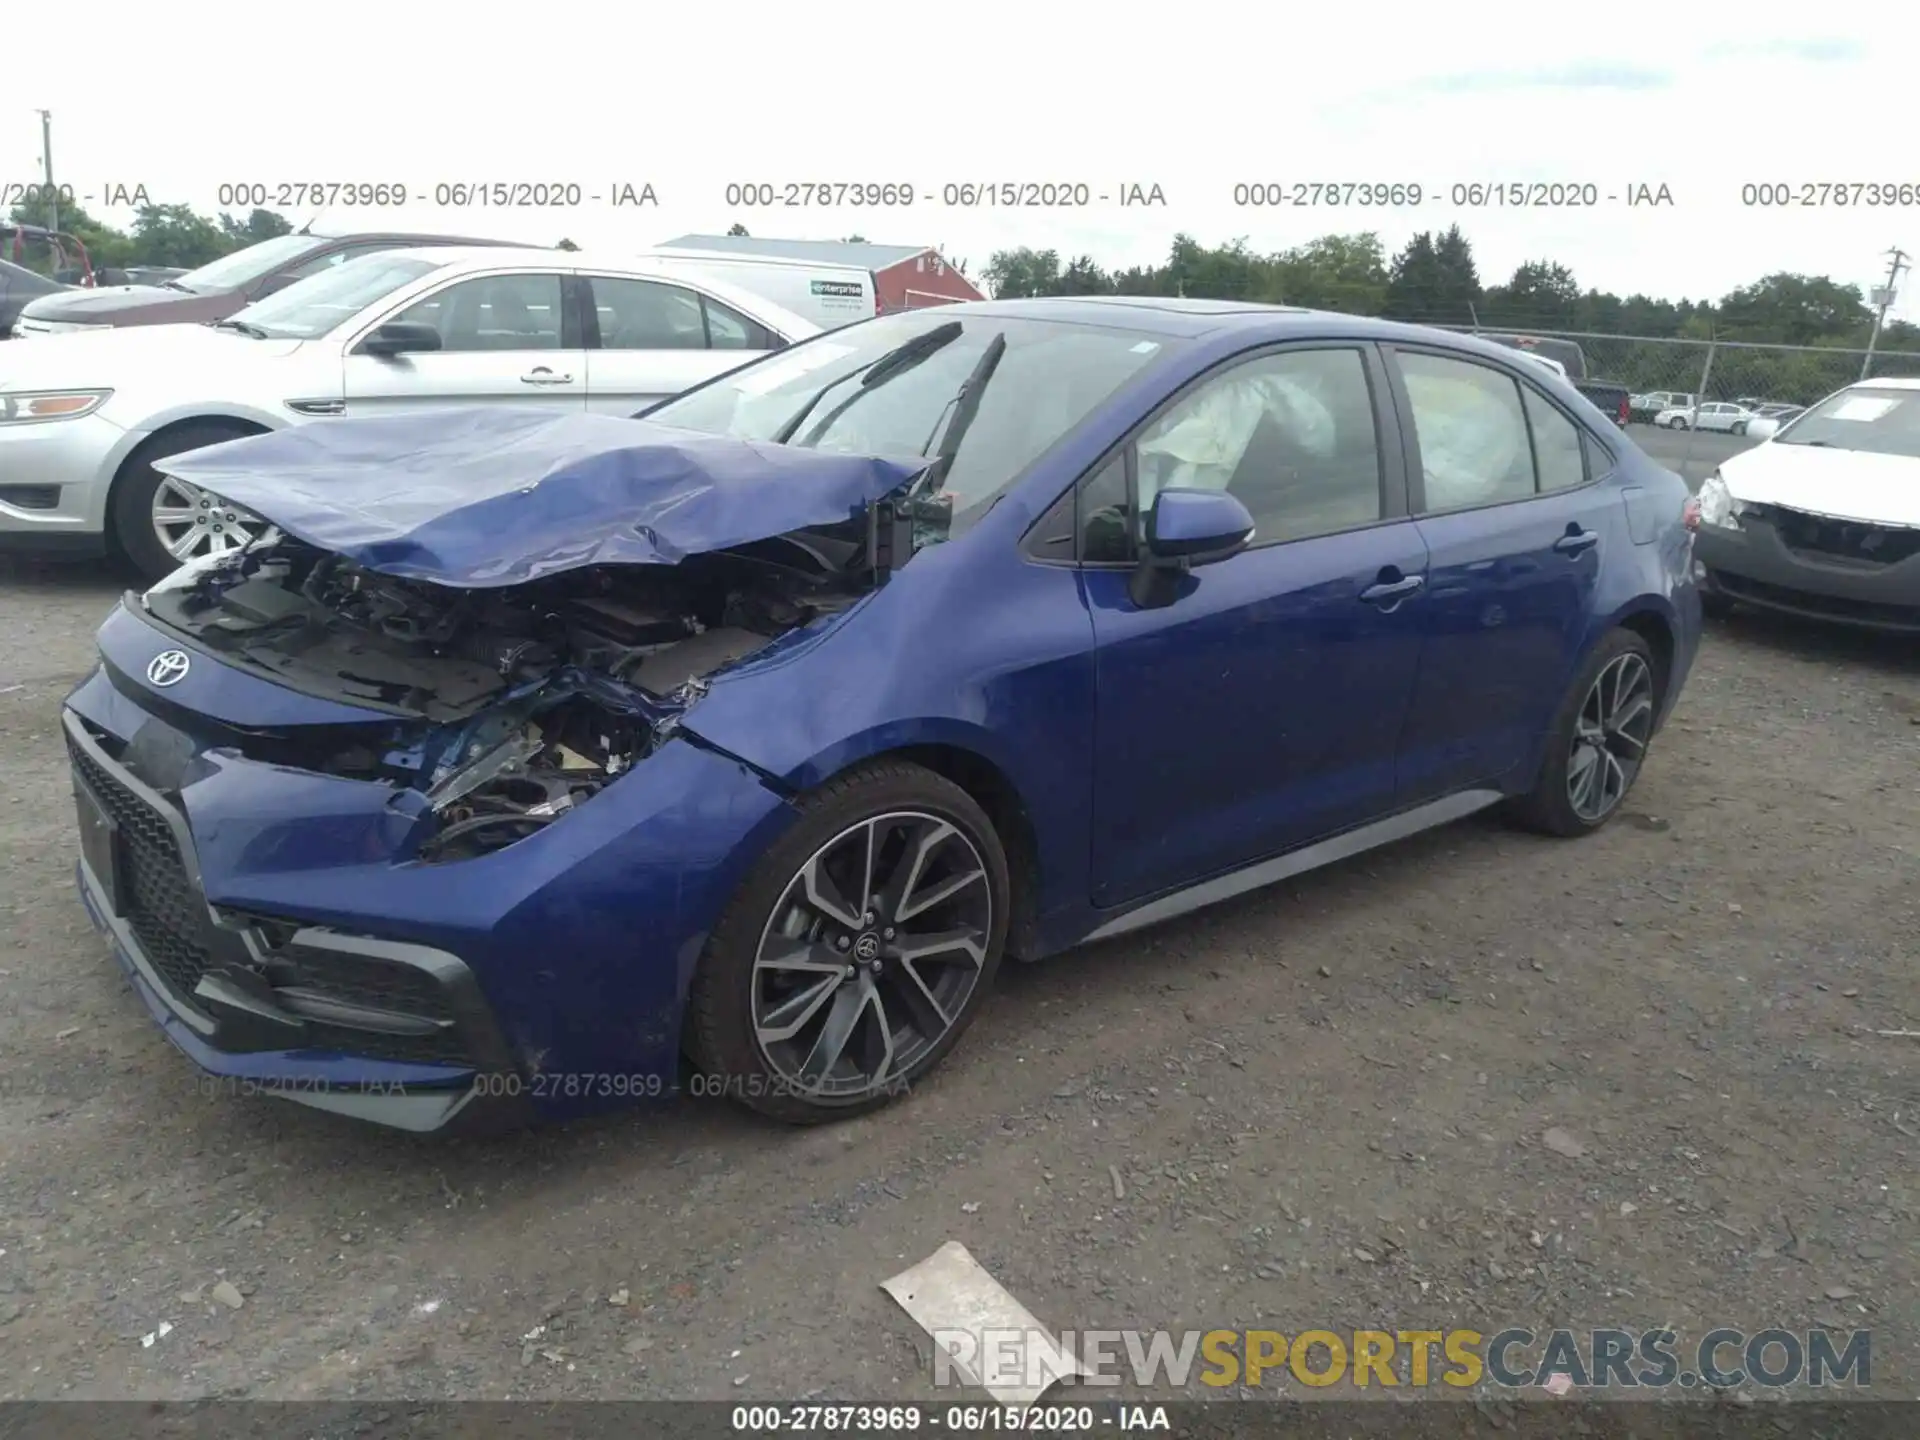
[[161, 523], [1678, 422], [857, 952], [1598, 741]]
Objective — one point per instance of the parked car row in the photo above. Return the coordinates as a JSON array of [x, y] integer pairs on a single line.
[[1679, 410]]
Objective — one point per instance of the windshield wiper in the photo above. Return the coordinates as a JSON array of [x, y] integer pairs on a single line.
[[252, 332], [176, 285], [966, 405], [896, 361]]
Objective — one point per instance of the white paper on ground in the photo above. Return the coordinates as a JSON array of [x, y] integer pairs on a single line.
[[1013, 1357]]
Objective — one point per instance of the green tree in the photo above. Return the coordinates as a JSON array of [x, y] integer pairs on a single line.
[[1796, 309], [1023, 273], [1458, 294], [1414, 281], [175, 235], [1540, 296], [565, 244], [1347, 273], [736, 229], [258, 226], [1082, 277]]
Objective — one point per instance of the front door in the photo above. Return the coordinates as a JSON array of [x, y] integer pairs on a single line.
[[1260, 709], [1517, 532], [505, 339]]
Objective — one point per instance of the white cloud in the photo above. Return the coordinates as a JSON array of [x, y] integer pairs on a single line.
[[1193, 99]]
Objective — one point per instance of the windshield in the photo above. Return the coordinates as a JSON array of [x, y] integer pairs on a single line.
[[243, 267], [1878, 421], [311, 307], [1029, 392]]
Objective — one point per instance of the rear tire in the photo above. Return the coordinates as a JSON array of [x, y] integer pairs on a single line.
[[130, 510], [1678, 422], [856, 953], [1598, 741]]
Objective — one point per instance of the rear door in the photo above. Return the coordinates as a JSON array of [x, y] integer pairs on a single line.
[[507, 338], [648, 340], [1509, 494]]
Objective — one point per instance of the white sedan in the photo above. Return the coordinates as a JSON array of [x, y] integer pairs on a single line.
[[84, 416], [1721, 415], [1822, 517]]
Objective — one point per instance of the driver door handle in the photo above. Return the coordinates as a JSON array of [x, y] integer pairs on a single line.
[[1388, 592], [541, 375], [1577, 542]]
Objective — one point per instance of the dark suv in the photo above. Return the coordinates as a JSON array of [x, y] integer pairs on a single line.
[[218, 288]]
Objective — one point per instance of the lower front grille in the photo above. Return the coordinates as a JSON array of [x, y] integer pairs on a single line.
[[164, 908], [1866, 545]]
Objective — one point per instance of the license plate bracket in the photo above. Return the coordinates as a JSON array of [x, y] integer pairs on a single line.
[[100, 844]]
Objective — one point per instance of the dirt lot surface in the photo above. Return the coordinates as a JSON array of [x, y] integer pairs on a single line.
[[1327, 1105]]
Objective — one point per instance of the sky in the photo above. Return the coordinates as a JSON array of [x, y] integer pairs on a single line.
[[1193, 99]]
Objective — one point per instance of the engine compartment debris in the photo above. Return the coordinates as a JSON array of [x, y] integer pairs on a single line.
[[508, 707]]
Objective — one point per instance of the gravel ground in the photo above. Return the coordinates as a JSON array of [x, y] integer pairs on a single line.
[[1326, 1103]]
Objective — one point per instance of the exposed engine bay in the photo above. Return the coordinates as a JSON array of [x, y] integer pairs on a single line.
[[510, 706]]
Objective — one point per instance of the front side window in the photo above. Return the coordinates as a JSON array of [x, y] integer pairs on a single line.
[[1474, 448], [493, 312], [892, 387], [730, 330], [1291, 435], [322, 303]]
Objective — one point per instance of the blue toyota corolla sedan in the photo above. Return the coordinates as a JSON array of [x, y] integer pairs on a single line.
[[532, 763]]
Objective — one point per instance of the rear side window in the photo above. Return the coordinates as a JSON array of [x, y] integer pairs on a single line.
[[1559, 454], [1472, 431], [730, 330]]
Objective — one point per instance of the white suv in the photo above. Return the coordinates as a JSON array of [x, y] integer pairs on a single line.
[[84, 415]]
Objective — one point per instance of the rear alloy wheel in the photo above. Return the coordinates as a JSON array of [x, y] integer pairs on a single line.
[[1598, 742], [857, 953], [1678, 422], [160, 522]]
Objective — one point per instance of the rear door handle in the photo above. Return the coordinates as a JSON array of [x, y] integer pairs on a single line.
[[1577, 542], [543, 376], [1391, 592]]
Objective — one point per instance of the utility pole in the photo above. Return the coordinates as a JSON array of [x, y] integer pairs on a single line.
[[1884, 298], [46, 169]]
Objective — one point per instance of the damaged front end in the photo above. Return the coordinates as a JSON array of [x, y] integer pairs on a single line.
[[531, 618], [509, 707]]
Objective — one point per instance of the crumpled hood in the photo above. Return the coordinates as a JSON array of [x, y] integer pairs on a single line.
[[1841, 484], [493, 496]]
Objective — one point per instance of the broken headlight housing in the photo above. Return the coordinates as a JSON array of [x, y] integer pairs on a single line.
[[1717, 505]]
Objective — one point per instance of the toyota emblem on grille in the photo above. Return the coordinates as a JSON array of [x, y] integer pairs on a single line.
[[169, 667]]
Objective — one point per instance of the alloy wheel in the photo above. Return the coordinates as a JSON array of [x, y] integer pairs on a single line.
[[1610, 737], [871, 955], [191, 522]]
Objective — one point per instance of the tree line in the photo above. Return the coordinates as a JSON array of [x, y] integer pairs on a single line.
[[1433, 280]]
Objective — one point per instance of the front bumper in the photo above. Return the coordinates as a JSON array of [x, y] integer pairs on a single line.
[[277, 929], [1755, 565], [54, 479]]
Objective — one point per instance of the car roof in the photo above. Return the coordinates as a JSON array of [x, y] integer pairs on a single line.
[[420, 237], [456, 258], [1177, 317], [1889, 382]]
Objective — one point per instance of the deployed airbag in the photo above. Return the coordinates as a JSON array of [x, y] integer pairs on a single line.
[[483, 497]]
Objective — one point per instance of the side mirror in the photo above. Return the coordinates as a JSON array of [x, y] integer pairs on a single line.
[[1763, 427], [400, 337], [1186, 528]]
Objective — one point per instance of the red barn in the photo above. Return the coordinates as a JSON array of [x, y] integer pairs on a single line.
[[905, 277]]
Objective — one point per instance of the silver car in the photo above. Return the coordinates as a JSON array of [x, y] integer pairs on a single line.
[[84, 415]]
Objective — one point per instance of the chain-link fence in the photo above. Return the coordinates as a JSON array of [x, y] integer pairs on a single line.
[[1663, 373]]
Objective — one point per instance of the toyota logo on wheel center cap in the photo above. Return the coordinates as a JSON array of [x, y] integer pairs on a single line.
[[867, 947], [169, 667]]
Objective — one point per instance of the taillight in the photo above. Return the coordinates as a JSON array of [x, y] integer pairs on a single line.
[[1690, 514], [1626, 410]]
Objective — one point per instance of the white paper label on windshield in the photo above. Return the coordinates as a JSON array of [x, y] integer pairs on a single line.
[[1863, 407], [774, 373]]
